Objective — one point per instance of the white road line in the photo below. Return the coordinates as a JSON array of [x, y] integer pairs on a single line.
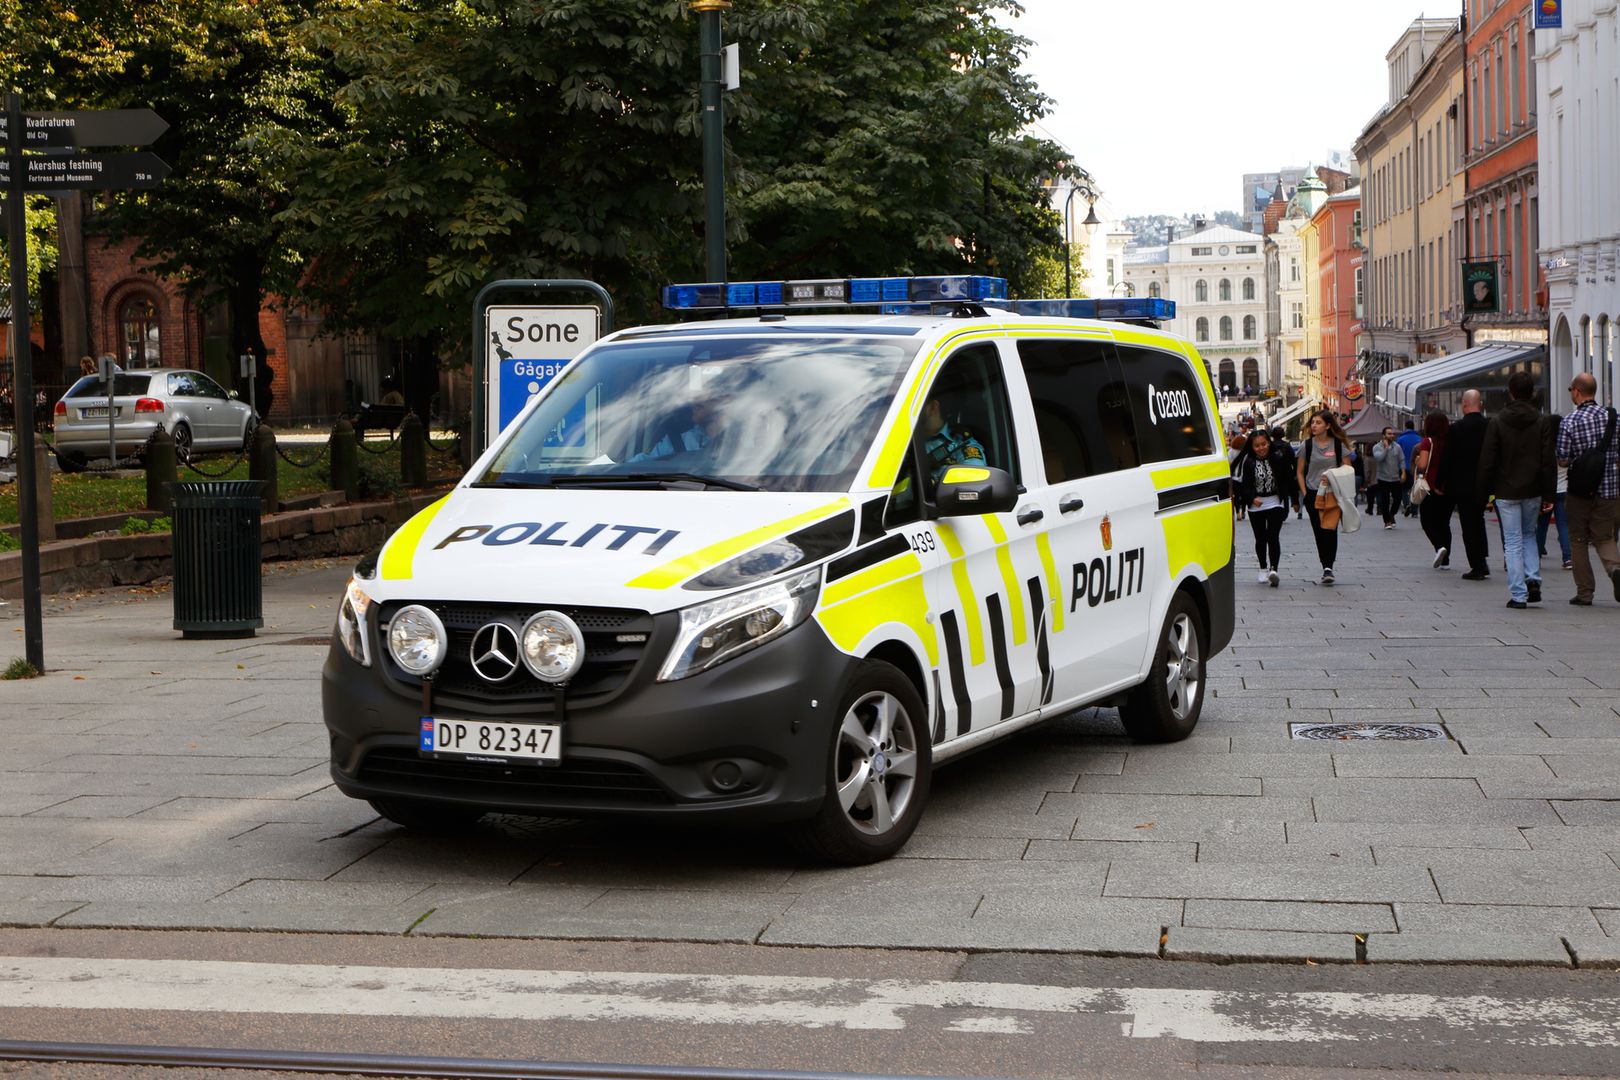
[[1211, 1016]]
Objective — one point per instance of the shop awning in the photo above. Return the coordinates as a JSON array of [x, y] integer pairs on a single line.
[[1405, 389], [1369, 424], [1303, 405]]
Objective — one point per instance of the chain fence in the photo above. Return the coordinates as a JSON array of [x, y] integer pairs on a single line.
[[189, 463], [309, 462]]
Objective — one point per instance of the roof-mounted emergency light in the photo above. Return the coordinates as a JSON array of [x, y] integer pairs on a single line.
[[832, 292]]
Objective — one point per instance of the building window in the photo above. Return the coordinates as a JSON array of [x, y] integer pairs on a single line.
[[1203, 251], [1110, 271], [1247, 249], [1225, 290], [140, 333], [1248, 328], [1293, 268], [1248, 288], [1297, 315], [1202, 332], [1251, 376], [1153, 289], [1201, 292], [1226, 328]]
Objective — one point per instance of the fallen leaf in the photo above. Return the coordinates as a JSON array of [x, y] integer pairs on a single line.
[[241, 667], [1309, 962], [1148, 825], [1164, 938], [157, 673], [78, 678]]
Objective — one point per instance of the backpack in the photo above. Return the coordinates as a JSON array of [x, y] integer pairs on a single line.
[[1586, 471]]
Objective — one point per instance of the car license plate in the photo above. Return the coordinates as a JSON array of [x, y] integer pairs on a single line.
[[93, 412], [481, 740]]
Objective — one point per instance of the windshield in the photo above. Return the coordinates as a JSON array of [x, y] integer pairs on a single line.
[[747, 412]]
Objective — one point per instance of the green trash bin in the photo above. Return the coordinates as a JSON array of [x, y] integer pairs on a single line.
[[218, 591]]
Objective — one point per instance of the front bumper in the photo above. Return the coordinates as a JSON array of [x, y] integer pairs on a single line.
[[748, 740]]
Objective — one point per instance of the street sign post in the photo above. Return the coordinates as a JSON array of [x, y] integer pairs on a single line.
[[525, 348], [38, 158]]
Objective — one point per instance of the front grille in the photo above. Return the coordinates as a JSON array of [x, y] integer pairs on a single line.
[[576, 781], [608, 661]]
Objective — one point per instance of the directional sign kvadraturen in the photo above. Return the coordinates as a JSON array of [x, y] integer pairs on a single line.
[[89, 127]]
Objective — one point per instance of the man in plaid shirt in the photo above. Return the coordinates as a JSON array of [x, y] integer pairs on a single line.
[[1593, 518]]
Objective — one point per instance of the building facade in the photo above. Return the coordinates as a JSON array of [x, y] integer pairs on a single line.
[[1217, 278], [1412, 221], [1578, 105], [1334, 270], [1502, 196]]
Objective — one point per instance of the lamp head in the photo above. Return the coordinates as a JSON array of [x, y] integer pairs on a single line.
[[1092, 220]]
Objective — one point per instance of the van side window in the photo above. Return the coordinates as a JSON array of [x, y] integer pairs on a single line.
[[966, 416], [1082, 410], [1168, 404]]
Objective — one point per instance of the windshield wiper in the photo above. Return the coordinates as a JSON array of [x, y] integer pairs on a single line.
[[508, 482], [609, 480]]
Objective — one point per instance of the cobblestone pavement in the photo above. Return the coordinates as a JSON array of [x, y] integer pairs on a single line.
[[155, 782]]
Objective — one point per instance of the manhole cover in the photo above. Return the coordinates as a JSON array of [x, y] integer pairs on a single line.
[[1391, 732]]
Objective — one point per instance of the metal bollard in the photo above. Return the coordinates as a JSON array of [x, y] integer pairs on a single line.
[[162, 469]]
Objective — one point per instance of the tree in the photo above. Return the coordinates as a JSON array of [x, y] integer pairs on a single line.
[[220, 72]]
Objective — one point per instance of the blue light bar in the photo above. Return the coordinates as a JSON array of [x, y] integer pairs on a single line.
[[1140, 308], [833, 292]]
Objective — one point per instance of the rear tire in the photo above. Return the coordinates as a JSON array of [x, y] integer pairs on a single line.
[[419, 815], [182, 442], [1164, 707], [879, 768]]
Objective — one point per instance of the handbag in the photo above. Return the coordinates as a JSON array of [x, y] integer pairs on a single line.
[[1586, 471], [1420, 489], [1327, 510]]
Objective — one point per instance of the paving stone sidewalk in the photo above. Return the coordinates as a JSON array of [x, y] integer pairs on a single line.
[[155, 782]]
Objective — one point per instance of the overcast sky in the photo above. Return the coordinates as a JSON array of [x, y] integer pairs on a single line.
[[1185, 96]]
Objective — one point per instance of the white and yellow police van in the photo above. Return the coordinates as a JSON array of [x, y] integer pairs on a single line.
[[779, 568]]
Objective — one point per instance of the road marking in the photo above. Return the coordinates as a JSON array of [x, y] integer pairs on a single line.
[[1209, 1016]]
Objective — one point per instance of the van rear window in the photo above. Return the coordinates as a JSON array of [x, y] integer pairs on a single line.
[[1172, 419]]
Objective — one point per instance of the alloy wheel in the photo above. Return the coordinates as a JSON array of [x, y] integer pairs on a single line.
[[876, 769]]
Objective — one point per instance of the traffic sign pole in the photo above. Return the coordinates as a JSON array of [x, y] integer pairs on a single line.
[[22, 354]]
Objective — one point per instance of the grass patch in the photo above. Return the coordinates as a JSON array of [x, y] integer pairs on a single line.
[[19, 669], [81, 495]]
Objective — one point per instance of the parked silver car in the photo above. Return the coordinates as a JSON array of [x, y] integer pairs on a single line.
[[196, 411]]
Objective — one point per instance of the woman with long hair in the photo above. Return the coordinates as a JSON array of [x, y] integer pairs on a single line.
[[1265, 487], [1434, 512], [1325, 447]]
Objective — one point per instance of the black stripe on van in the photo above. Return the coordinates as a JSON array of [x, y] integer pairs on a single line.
[[1203, 491], [998, 641], [953, 661], [870, 555], [1043, 658]]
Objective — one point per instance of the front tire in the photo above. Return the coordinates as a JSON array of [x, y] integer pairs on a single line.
[[879, 769], [249, 429], [1164, 707], [419, 815]]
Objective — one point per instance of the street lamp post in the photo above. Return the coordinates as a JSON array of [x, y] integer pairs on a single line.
[[714, 161], [1091, 222]]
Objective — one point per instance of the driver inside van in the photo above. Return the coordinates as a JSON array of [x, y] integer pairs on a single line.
[[943, 445], [705, 429]]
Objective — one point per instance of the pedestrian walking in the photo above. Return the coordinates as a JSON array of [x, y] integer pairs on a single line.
[[1235, 451], [1408, 440], [1389, 470], [1460, 477], [1266, 488], [1558, 516], [1517, 464], [1434, 512], [1588, 445], [1325, 447]]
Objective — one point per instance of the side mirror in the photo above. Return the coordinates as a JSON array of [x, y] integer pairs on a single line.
[[232, 394], [966, 490]]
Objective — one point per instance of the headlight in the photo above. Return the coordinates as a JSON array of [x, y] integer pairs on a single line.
[[351, 623], [712, 633], [417, 640], [553, 646]]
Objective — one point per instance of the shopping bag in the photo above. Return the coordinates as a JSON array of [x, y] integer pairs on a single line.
[[1342, 483], [1327, 509]]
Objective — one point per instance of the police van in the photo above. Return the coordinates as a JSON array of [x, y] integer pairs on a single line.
[[779, 568]]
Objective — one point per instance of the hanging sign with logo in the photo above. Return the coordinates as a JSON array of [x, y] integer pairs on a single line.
[[526, 347], [1549, 14], [1353, 390], [1480, 295]]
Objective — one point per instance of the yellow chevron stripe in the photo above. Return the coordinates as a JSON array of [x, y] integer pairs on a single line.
[[1045, 548], [1009, 578], [1188, 474], [399, 557], [872, 577], [678, 570], [964, 592]]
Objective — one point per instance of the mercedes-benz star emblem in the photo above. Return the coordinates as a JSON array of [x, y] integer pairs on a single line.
[[495, 652]]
